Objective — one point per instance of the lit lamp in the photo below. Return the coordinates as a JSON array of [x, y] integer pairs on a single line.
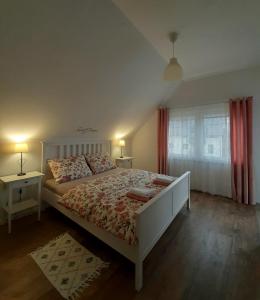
[[21, 148], [122, 145]]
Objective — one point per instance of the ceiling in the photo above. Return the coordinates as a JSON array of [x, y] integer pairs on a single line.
[[90, 65], [216, 36], [84, 65]]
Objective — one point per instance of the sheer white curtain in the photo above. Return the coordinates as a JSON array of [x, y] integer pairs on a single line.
[[199, 142]]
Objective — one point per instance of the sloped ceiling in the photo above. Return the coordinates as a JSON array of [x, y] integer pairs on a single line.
[[65, 64], [215, 35]]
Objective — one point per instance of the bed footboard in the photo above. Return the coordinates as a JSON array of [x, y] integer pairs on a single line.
[[155, 216]]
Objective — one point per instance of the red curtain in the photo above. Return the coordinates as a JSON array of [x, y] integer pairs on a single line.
[[241, 149], [163, 120]]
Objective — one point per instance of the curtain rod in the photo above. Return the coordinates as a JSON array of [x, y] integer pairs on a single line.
[[214, 103], [197, 105]]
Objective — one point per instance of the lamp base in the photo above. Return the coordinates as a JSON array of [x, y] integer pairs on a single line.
[[21, 174], [121, 156]]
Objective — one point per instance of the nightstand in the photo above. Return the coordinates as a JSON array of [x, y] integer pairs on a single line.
[[125, 162], [16, 182]]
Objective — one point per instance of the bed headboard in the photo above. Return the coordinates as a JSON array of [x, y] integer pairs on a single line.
[[65, 147]]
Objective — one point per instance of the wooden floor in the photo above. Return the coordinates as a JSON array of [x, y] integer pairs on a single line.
[[211, 252]]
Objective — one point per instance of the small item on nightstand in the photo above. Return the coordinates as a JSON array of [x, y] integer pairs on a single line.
[[21, 148], [122, 145]]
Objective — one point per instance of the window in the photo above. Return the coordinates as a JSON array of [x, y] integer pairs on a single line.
[[200, 133], [199, 142]]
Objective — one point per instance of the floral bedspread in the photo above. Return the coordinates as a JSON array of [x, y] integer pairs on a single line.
[[103, 201]]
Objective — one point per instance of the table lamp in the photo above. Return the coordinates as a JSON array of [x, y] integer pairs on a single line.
[[21, 148], [122, 145]]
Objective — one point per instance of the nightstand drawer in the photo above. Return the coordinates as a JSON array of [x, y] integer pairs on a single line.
[[25, 182]]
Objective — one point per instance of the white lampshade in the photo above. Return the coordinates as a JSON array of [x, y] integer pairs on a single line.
[[21, 147], [173, 70], [122, 143]]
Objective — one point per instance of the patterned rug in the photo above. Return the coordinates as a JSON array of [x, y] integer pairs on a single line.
[[68, 265]]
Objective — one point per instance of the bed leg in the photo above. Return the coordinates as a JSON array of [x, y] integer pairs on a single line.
[[138, 275], [188, 203]]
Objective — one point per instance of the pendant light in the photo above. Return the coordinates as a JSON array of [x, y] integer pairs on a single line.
[[173, 70]]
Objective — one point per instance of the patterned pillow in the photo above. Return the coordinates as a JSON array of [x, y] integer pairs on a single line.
[[100, 162], [70, 168]]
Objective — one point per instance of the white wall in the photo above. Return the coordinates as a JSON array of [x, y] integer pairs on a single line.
[[217, 88], [66, 64], [207, 90], [144, 145]]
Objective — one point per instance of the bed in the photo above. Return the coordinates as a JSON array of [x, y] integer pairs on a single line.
[[151, 218]]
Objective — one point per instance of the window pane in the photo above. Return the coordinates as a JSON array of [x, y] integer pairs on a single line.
[[200, 133], [182, 133], [215, 137]]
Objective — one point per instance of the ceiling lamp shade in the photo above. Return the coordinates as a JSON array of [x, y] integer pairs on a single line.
[[173, 70]]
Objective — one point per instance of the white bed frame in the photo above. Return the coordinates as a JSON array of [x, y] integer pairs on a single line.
[[153, 217]]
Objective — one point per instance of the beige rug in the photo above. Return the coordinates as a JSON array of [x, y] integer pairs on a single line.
[[69, 266]]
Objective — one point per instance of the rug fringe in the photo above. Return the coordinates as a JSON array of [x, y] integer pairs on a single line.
[[78, 292]]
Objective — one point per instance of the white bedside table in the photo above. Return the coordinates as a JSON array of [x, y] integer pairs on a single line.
[[15, 182], [124, 162]]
